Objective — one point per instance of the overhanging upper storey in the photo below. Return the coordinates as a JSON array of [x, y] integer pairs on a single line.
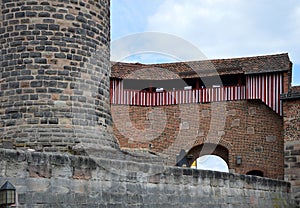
[[260, 77]]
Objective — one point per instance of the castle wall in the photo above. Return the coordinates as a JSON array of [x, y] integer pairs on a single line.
[[54, 97], [248, 129], [54, 77], [55, 180], [291, 107]]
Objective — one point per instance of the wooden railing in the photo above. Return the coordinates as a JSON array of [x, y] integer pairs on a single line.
[[205, 95]]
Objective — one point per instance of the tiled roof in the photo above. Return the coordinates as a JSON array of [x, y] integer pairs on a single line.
[[294, 93], [191, 69], [296, 89]]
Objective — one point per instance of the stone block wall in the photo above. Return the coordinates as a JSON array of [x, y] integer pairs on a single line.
[[291, 109], [54, 74], [248, 129], [56, 180]]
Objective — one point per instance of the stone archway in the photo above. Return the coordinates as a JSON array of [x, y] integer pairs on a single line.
[[208, 149]]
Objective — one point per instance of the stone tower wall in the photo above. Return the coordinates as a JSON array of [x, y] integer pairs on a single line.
[[55, 74], [291, 118]]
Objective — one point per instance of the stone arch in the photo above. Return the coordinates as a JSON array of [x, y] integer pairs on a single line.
[[208, 149], [221, 142]]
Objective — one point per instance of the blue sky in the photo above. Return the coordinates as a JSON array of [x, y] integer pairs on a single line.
[[219, 28]]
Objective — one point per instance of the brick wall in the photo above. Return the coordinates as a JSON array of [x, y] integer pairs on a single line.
[[291, 109], [54, 74], [248, 129]]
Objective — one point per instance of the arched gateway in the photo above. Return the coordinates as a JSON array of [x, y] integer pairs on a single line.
[[207, 149]]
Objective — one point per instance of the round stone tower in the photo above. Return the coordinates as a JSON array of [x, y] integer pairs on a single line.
[[55, 72]]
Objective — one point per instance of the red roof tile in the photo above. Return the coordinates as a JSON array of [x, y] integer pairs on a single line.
[[191, 69]]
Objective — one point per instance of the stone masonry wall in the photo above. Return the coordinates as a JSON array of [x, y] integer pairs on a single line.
[[291, 107], [54, 74], [248, 129], [56, 180]]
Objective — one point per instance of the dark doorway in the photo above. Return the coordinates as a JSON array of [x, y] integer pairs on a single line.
[[256, 173]]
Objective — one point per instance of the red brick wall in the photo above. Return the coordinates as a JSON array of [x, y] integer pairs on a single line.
[[248, 129], [287, 79]]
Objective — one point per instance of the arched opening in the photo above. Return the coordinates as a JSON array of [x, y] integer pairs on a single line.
[[255, 173], [210, 162], [208, 149], [208, 154]]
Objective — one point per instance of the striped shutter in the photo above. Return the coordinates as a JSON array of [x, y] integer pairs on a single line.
[[267, 88]]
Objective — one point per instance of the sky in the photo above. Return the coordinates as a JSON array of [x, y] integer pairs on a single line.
[[219, 28], [212, 162]]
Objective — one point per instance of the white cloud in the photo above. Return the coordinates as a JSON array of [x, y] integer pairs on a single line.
[[153, 42], [231, 28], [219, 28]]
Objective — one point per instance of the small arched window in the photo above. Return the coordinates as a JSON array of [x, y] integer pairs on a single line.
[[256, 173]]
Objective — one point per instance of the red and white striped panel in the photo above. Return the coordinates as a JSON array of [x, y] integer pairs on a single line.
[[266, 87], [117, 91], [119, 96]]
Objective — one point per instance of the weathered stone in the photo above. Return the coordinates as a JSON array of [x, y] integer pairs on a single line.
[[205, 113], [271, 138], [250, 130], [184, 126], [231, 112], [69, 192], [236, 123]]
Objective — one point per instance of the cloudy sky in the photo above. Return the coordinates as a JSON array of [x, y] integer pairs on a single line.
[[212, 162], [219, 28]]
